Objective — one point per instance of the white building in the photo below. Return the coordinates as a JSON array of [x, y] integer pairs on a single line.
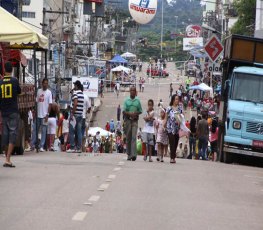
[[259, 19]]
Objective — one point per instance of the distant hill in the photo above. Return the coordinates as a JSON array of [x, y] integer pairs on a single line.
[[188, 12]]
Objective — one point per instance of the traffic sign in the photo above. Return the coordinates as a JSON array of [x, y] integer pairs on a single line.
[[213, 48]]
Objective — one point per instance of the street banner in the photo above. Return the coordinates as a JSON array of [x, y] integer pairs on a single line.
[[90, 85], [191, 43], [143, 11]]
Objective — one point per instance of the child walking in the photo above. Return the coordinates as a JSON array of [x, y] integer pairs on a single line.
[[161, 136], [65, 130]]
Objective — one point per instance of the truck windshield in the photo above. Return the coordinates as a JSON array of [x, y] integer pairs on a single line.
[[247, 87]]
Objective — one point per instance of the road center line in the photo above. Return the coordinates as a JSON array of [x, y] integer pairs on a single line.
[[112, 176], [94, 198], [104, 186], [116, 169], [79, 216]]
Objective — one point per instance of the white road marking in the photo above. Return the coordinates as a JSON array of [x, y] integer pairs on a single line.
[[88, 203], [112, 176], [103, 187], [79, 216], [116, 169], [120, 163], [94, 198]]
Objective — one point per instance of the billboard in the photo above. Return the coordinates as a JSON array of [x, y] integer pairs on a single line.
[[90, 85], [191, 43]]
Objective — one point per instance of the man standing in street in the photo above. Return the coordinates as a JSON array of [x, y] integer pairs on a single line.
[[76, 116], [9, 90], [86, 109], [118, 113], [44, 102], [203, 137], [131, 110]]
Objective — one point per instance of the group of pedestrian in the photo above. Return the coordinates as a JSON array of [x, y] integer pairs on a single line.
[[165, 127], [158, 131]]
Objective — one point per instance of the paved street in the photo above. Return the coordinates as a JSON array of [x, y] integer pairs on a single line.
[[155, 89], [60, 191]]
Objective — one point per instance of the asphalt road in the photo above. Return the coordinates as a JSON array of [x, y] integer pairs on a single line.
[[62, 191], [155, 89], [59, 191]]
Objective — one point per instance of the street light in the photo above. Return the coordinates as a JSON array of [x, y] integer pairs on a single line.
[[162, 33]]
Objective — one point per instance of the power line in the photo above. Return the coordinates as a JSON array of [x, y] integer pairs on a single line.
[[32, 24]]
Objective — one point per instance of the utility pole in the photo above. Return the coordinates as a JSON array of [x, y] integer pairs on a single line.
[[162, 33], [44, 33]]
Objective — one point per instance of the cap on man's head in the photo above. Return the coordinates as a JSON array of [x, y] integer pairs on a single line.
[[78, 84], [8, 67]]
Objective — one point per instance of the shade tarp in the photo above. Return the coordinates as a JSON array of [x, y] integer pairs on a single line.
[[93, 131], [118, 59], [121, 68], [128, 55], [202, 87], [18, 33]]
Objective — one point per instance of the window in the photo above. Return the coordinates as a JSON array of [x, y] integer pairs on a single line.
[[27, 14], [247, 87]]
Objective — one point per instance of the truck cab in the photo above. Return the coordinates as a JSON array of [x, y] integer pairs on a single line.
[[241, 119], [244, 123]]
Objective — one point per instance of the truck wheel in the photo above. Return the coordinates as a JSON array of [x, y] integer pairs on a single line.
[[221, 147], [228, 158]]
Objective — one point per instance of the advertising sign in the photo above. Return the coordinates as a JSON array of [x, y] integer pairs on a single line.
[[190, 43], [193, 31], [90, 85], [143, 11], [213, 48]]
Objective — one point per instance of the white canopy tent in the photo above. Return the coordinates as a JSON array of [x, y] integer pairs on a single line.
[[121, 68], [93, 131], [202, 87], [128, 55], [18, 33], [21, 36]]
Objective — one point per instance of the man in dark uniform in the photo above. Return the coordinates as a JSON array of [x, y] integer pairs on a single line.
[[9, 90]]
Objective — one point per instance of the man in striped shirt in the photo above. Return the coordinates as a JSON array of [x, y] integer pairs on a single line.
[[75, 126]]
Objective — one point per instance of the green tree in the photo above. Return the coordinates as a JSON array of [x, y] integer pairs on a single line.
[[246, 10]]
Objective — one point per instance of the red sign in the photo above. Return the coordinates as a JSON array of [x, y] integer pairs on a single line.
[[193, 31], [213, 48]]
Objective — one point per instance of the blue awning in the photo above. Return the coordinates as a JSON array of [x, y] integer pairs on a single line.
[[118, 59]]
